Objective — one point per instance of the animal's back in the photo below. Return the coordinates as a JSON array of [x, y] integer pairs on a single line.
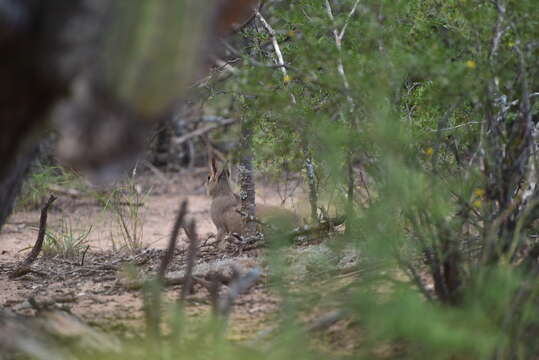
[[224, 214], [282, 218]]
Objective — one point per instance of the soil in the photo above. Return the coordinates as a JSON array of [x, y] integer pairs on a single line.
[[91, 284]]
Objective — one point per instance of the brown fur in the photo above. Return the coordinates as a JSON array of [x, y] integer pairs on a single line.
[[225, 204]]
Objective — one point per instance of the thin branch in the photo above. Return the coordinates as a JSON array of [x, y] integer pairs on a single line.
[[457, 126], [276, 47], [203, 130], [441, 125], [350, 14], [152, 288], [338, 44], [24, 267], [250, 60], [418, 282], [499, 29], [191, 259], [167, 258]]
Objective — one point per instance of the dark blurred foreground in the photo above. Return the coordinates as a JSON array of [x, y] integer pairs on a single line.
[[106, 70]]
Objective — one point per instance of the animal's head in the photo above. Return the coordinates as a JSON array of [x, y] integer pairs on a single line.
[[218, 180]]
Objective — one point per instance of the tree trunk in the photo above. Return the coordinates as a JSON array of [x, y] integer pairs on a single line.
[[350, 192], [247, 185], [311, 182]]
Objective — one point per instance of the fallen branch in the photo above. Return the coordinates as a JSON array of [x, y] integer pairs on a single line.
[[325, 321], [323, 225], [45, 337], [238, 286], [24, 267], [203, 280], [321, 323]]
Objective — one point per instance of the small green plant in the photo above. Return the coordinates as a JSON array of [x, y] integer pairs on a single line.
[[65, 242], [126, 203], [45, 179]]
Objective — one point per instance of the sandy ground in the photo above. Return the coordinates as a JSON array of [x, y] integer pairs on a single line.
[[94, 290], [161, 201]]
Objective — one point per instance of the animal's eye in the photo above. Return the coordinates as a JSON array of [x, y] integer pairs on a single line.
[[209, 176]]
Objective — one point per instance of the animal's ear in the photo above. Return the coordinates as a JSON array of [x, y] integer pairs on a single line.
[[224, 173], [213, 166]]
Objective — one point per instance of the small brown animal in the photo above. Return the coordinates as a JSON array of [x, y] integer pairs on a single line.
[[225, 205]]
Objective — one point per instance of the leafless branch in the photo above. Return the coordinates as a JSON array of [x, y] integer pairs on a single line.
[[152, 288], [191, 259], [175, 280], [273, 37], [326, 320], [350, 14], [167, 258], [250, 60], [441, 125], [24, 266], [203, 130], [500, 29], [277, 48], [456, 126], [338, 35]]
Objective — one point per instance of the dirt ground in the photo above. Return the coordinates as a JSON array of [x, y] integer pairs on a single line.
[[93, 286]]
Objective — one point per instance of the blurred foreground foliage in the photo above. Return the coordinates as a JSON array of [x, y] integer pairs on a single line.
[[420, 118]]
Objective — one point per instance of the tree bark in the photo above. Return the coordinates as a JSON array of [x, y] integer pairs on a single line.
[[247, 185], [311, 182], [350, 191]]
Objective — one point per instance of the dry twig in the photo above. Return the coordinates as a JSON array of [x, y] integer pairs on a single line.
[[203, 130], [191, 259], [24, 267], [167, 258]]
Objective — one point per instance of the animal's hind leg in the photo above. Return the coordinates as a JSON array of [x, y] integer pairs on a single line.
[[220, 237]]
